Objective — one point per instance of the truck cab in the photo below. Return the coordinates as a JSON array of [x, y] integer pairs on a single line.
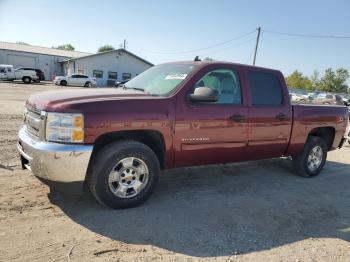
[[7, 72]]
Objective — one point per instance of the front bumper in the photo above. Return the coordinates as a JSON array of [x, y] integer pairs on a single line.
[[53, 161]]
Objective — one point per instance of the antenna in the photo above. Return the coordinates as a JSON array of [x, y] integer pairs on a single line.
[[197, 58]]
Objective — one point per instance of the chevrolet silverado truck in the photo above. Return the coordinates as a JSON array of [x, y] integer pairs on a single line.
[[117, 140]]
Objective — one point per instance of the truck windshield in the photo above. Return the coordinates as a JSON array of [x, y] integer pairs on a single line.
[[160, 79]]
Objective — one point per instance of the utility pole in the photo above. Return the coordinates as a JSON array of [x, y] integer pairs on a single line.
[[257, 44], [124, 44]]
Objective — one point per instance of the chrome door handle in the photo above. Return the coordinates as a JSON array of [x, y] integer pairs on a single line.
[[281, 116]]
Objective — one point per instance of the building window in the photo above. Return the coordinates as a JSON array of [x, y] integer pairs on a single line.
[[126, 76], [81, 71], [97, 73], [112, 75]]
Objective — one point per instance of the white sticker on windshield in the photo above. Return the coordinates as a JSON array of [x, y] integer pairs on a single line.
[[175, 76]]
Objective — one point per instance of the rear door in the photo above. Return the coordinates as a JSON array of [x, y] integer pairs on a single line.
[[212, 132], [84, 79], [270, 114], [73, 80]]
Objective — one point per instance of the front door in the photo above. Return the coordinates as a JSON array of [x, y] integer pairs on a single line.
[[212, 132], [270, 115], [3, 73]]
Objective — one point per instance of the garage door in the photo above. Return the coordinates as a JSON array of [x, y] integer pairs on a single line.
[[21, 61]]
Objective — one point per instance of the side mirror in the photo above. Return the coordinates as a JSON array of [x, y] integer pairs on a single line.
[[204, 94]]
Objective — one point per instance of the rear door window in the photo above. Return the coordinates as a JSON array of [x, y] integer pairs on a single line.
[[265, 89]]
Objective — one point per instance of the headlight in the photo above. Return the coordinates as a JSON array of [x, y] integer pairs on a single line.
[[65, 127]]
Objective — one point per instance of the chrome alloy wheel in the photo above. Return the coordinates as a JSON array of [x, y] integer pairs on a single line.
[[128, 177], [314, 159]]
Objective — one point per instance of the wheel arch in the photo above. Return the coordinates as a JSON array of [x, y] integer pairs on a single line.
[[326, 133], [24, 77], [152, 138]]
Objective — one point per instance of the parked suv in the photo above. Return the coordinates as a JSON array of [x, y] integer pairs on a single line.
[[39, 72]]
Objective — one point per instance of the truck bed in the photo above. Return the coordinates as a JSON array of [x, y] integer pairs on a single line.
[[309, 117]]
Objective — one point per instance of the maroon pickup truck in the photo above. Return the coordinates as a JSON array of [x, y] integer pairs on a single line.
[[117, 140]]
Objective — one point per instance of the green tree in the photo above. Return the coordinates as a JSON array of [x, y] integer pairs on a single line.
[[67, 47], [315, 80], [298, 80], [334, 81], [105, 48]]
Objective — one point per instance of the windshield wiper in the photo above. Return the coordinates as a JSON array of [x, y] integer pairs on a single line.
[[134, 88]]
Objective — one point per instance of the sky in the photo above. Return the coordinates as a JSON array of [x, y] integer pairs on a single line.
[[162, 30]]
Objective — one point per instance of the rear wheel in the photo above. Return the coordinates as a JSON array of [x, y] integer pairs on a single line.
[[63, 83], [88, 84], [124, 174], [26, 80], [311, 160]]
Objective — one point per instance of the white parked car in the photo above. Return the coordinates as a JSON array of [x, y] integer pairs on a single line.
[[75, 80], [27, 76]]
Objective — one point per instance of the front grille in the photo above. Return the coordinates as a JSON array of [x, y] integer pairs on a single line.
[[34, 122]]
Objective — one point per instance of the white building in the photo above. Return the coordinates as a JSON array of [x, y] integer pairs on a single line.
[[44, 58], [107, 67]]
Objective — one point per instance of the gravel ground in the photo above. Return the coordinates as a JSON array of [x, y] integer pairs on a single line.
[[253, 211]]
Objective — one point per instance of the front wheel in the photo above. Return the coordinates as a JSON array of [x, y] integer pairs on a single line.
[[311, 160], [124, 174]]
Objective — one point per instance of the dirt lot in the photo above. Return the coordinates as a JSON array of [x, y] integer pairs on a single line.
[[255, 211]]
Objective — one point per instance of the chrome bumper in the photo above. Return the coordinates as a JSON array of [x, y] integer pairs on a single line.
[[53, 161]]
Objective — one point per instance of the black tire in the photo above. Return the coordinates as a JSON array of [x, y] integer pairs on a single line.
[[63, 83], [26, 80], [103, 164], [300, 162], [88, 84]]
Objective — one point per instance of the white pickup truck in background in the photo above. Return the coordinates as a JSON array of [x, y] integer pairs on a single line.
[[27, 76]]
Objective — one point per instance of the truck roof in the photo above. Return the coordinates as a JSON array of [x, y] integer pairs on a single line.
[[208, 62]]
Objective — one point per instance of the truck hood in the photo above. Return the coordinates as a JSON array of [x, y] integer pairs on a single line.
[[61, 99]]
